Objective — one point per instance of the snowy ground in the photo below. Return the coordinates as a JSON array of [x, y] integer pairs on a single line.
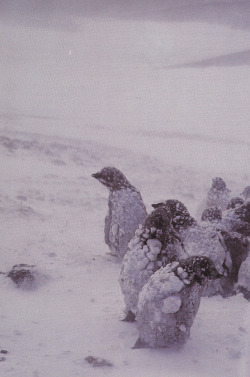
[[159, 89]]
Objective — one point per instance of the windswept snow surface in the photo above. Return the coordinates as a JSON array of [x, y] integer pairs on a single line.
[[159, 89]]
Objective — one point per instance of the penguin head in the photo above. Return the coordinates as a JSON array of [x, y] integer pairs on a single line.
[[219, 185], [235, 241], [181, 218], [246, 192], [200, 269], [243, 212], [173, 204], [112, 178], [160, 203], [160, 219], [236, 202], [212, 214]]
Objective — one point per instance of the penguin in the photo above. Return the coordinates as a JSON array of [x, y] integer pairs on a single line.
[[126, 210], [246, 193], [238, 247], [238, 219], [181, 218], [243, 283], [212, 214], [235, 202], [218, 195], [204, 238], [146, 253], [169, 302], [155, 244]]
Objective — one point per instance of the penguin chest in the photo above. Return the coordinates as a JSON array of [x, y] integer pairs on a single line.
[[218, 199], [176, 326], [126, 212], [166, 321]]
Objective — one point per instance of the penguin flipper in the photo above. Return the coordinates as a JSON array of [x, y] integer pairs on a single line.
[[107, 228]]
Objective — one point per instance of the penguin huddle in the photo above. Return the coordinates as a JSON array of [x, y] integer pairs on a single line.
[[169, 260]]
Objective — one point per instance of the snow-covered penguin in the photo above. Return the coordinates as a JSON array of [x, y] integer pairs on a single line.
[[218, 195], [246, 193], [235, 245], [235, 202], [126, 209], [238, 219], [156, 243], [212, 214], [181, 218], [243, 283], [203, 239], [238, 247], [169, 301]]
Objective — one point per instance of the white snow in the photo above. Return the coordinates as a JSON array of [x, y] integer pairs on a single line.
[[171, 304], [159, 89]]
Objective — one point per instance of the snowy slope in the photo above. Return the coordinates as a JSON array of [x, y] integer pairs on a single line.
[[155, 88]]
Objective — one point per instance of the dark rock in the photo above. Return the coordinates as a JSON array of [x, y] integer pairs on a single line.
[[23, 275], [98, 362]]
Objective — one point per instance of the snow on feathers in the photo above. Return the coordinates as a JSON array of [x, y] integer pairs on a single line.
[[126, 209], [169, 301], [155, 244]]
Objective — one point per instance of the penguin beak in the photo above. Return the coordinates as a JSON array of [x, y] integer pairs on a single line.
[[157, 205], [100, 178], [96, 175]]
